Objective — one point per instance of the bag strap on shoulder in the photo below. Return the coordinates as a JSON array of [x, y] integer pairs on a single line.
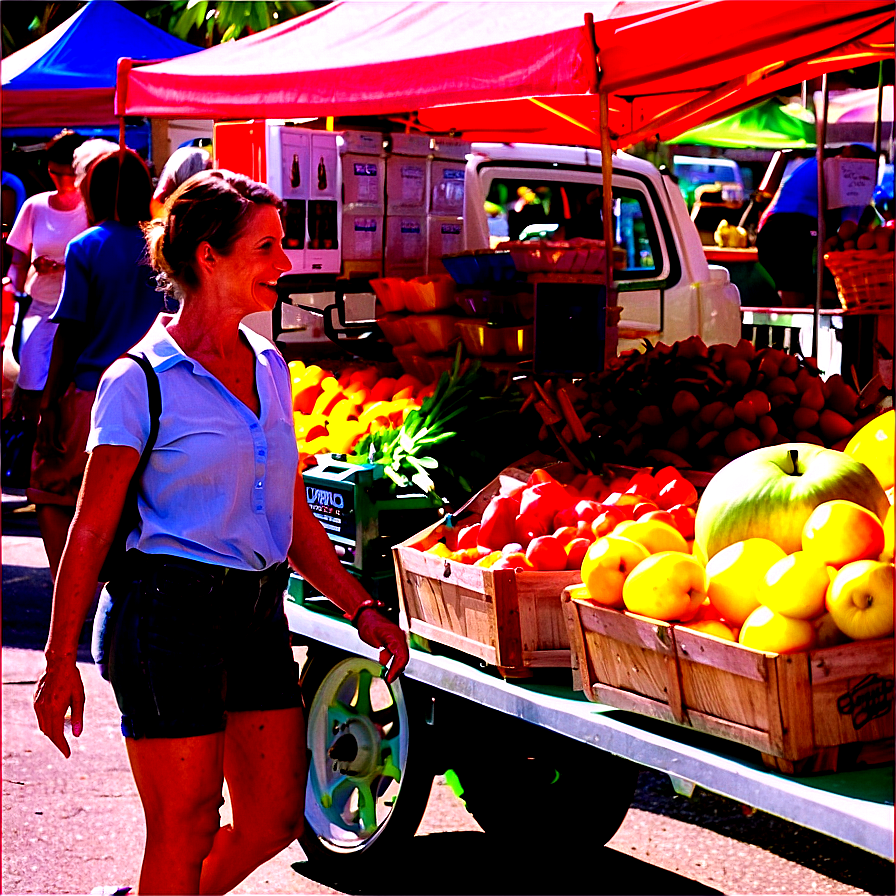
[[155, 409]]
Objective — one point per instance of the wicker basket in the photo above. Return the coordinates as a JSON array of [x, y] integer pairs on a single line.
[[864, 279]]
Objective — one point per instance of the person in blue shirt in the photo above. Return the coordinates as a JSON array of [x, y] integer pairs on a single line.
[[787, 238], [194, 636], [109, 300]]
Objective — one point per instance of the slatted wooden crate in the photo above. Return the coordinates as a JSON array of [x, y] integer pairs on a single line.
[[797, 710], [508, 619]]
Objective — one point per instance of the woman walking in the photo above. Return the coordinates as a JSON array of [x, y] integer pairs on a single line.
[[195, 634]]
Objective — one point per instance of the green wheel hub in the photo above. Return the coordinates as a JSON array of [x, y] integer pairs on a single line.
[[358, 737]]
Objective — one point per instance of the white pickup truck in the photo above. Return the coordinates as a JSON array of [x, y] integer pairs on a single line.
[[667, 289]]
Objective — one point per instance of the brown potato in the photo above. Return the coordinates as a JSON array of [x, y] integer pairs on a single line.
[[865, 240], [847, 230]]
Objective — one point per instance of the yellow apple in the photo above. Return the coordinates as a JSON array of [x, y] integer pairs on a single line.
[[829, 635], [668, 585], [606, 566], [775, 633], [712, 627], [736, 573], [887, 553], [838, 532], [860, 599], [873, 446], [655, 535], [796, 586]]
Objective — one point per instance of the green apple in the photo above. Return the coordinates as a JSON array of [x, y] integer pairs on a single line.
[[860, 599], [771, 492]]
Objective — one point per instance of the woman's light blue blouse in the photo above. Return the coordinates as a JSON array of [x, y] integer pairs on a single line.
[[219, 484]]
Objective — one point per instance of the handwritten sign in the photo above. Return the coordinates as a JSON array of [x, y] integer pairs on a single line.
[[849, 181]]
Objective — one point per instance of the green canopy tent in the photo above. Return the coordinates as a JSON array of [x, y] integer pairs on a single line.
[[769, 125]]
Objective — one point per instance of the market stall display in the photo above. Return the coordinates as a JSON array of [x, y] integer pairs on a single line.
[[776, 631]]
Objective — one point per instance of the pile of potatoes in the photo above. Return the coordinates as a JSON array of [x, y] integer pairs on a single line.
[[849, 237]]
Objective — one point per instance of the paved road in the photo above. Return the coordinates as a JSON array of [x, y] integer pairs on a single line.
[[71, 825]]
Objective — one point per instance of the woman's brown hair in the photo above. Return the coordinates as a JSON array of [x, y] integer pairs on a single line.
[[211, 207], [117, 186]]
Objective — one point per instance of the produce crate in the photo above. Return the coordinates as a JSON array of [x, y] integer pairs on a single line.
[[508, 619], [797, 710]]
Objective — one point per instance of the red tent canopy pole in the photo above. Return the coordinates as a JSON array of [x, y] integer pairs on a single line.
[[606, 156]]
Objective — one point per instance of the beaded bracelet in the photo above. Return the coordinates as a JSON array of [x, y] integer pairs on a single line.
[[365, 604]]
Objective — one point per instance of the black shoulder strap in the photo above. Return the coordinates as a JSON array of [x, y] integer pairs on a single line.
[[155, 410]]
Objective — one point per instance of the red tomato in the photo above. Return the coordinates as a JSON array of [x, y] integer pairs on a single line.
[[529, 526], [683, 519], [538, 476], [565, 534], [662, 515], [513, 561], [676, 491], [545, 500], [642, 483], [606, 521], [575, 552], [666, 474], [546, 553], [466, 537], [642, 509]]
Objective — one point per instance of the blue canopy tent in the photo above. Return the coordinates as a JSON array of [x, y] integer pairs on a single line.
[[67, 77]]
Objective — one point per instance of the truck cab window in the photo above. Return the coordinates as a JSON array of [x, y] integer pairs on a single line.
[[539, 208]]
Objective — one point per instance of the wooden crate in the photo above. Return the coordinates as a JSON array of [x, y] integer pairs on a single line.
[[797, 710], [508, 619]]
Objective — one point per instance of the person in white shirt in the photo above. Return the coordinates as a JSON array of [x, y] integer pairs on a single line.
[[38, 239]]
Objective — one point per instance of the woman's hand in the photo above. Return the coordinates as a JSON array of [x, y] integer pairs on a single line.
[[378, 631], [59, 688], [43, 264]]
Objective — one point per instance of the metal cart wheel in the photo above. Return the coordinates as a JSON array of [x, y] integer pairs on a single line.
[[369, 776]]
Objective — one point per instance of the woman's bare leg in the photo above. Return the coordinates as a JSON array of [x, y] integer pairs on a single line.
[[180, 782], [265, 769]]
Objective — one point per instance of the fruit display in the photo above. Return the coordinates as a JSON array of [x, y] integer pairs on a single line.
[[730, 236], [872, 238], [332, 414], [698, 406], [792, 550], [451, 435], [545, 524], [771, 493]]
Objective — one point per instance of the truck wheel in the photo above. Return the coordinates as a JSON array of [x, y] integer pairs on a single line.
[[576, 787], [369, 777]]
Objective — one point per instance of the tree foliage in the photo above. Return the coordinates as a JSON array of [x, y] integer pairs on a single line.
[[209, 22]]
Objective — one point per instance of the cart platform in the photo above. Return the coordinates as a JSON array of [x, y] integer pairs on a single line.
[[855, 807]]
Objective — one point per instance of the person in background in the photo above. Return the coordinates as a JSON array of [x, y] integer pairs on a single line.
[[109, 300], [194, 634], [788, 230], [87, 153], [38, 239], [183, 163]]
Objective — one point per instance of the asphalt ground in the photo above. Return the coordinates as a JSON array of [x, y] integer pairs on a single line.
[[71, 825]]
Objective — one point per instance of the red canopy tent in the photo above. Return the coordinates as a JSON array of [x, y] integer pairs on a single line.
[[496, 70]]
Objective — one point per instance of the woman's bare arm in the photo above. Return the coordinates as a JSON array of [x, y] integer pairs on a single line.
[[109, 471]]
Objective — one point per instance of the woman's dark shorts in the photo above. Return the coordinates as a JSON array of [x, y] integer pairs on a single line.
[[186, 642]]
